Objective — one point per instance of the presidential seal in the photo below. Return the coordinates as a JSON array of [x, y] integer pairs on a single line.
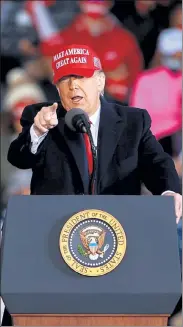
[[92, 242]]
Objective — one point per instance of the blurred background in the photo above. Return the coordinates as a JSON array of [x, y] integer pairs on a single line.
[[140, 46]]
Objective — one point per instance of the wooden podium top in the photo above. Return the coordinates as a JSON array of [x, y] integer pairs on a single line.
[[90, 320]]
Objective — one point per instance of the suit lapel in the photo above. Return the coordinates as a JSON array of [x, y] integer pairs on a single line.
[[110, 129], [76, 146]]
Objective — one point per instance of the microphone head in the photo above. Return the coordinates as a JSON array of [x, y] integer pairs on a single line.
[[73, 115]]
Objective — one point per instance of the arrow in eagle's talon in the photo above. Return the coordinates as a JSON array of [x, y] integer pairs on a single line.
[[105, 249]]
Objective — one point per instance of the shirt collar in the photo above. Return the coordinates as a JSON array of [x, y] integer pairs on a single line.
[[95, 117]]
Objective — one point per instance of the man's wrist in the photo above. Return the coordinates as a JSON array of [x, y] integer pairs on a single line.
[[34, 136], [37, 131]]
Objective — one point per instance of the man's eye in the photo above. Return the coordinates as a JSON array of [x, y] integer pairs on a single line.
[[64, 79]]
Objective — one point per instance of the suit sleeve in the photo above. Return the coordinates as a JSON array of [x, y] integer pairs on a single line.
[[157, 168], [19, 153]]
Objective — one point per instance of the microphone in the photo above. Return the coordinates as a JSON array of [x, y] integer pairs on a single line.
[[77, 120]]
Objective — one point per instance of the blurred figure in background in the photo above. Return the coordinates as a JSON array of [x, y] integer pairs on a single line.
[[116, 46], [97, 27], [21, 91], [145, 19], [143, 7], [176, 17], [175, 21], [159, 90]]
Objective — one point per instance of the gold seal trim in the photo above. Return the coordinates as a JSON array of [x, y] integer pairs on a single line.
[[92, 215]]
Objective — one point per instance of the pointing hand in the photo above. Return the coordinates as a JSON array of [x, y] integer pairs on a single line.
[[45, 119]]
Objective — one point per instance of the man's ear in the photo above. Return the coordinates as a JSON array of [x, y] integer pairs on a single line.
[[101, 81], [56, 85]]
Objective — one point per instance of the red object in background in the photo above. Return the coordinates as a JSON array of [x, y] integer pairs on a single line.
[[49, 3], [29, 4], [144, 6], [19, 107], [48, 45], [52, 46], [179, 26], [115, 46], [117, 89], [95, 9], [29, 7], [159, 91]]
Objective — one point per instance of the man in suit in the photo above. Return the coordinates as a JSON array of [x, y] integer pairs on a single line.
[[127, 152]]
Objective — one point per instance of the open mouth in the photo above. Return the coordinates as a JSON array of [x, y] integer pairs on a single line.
[[76, 99]]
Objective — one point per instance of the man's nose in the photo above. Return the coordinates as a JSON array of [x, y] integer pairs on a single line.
[[73, 83]]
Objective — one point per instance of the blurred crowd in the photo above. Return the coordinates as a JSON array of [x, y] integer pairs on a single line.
[[140, 46]]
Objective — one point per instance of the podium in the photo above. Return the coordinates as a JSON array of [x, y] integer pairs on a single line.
[[41, 286]]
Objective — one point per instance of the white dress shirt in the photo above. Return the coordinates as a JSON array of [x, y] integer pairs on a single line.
[[94, 127], [94, 119], [36, 140]]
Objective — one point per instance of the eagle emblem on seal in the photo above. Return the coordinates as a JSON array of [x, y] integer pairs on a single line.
[[92, 239]]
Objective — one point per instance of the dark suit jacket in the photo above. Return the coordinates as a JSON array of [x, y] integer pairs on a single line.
[[128, 154]]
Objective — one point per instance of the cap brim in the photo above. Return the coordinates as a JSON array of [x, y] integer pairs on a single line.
[[74, 71]]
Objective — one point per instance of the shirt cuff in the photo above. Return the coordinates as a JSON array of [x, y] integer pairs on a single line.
[[168, 192], [34, 137]]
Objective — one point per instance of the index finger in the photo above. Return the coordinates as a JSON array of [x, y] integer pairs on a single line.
[[54, 107], [51, 109]]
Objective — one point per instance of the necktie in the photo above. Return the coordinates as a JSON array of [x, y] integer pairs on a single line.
[[89, 153]]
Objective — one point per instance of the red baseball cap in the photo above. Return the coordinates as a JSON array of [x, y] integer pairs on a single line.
[[75, 59]]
